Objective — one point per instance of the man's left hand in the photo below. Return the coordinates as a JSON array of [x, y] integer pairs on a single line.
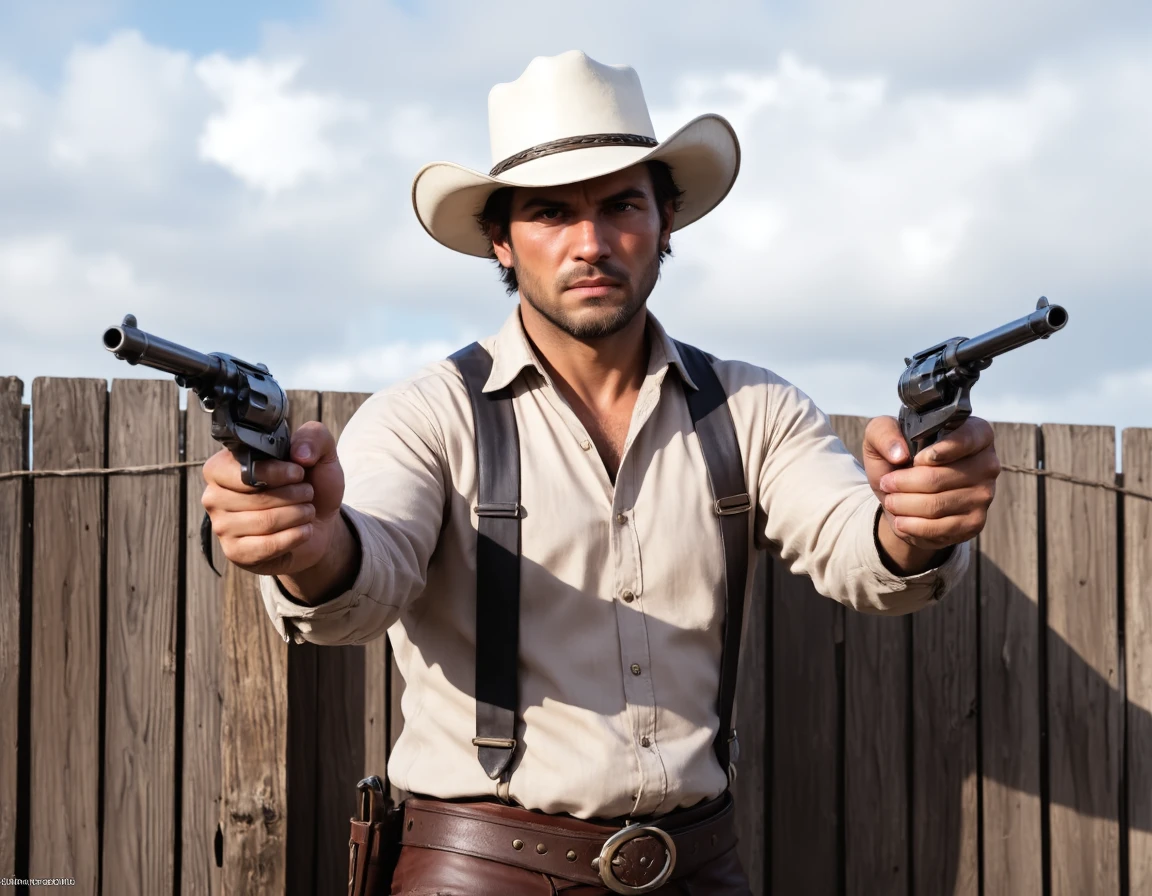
[[943, 498]]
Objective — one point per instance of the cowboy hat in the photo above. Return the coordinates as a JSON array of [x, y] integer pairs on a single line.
[[570, 118]]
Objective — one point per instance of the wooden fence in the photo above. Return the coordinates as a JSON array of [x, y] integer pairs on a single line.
[[158, 737]]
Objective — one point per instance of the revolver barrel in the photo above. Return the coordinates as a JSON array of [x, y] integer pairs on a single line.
[[1040, 324], [137, 347]]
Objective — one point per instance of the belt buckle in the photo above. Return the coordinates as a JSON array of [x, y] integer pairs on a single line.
[[612, 846]]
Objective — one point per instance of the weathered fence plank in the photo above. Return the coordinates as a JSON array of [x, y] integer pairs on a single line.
[[254, 733], [945, 790], [140, 669], [68, 417], [347, 677], [303, 765], [12, 457], [203, 686], [270, 762], [752, 686], [875, 738], [1083, 695], [1010, 672], [807, 635], [1137, 465]]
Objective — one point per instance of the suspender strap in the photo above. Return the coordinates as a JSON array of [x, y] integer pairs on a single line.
[[712, 419], [497, 562]]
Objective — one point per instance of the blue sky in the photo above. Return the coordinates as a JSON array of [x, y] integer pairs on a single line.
[[211, 25], [29, 32], [238, 175]]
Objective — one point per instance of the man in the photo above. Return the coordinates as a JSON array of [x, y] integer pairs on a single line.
[[622, 574]]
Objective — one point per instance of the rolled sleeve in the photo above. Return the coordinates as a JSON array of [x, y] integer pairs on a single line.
[[818, 514], [394, 495]]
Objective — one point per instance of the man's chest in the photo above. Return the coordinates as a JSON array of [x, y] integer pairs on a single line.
[[649, 542], [609, 435]]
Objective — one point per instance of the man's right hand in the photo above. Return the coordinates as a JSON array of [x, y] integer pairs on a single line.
[[287, 527]]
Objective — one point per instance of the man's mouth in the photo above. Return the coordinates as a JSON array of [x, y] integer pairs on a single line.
[[592, 287]]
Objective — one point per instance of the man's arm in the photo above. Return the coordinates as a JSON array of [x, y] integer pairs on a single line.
[[818, 514], [396, 485]]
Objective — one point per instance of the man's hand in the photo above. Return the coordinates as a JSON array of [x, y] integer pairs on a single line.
[[939, 501], [289, 527]]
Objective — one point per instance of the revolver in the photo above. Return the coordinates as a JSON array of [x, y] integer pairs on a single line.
[[934, 388], [249, 409]]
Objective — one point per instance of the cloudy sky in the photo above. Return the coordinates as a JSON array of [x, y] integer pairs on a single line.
[[238, 176]]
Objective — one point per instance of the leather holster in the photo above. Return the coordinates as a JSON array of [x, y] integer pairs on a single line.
[[374, 842]]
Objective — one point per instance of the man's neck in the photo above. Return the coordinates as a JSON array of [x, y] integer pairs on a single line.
[[600, 374]]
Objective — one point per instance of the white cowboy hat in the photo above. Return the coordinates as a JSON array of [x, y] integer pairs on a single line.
[[569, 118]]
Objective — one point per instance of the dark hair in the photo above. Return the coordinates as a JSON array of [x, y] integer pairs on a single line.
[[497, 213]]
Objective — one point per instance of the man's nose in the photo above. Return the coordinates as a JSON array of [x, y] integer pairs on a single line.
[[589, 243]]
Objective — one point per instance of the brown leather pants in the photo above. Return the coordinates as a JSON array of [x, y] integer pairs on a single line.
[[433, 872]]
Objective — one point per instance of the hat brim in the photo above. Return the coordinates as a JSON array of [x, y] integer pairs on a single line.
[[704, 156]]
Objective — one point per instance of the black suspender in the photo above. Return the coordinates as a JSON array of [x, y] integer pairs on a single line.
[[497, 562], [712, 419], [498, 546]]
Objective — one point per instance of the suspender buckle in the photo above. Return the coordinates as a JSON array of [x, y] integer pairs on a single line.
[[506, 510], [734, 504], [507, 743]]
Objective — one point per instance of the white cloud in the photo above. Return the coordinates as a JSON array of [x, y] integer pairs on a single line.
[[881, 191], [48, 285], [269, 134], [120, 101]]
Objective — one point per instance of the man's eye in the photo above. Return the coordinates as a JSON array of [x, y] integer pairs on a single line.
[[548, 214], [623, 206]]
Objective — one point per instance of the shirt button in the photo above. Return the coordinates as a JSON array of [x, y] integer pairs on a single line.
[[586, 445], [621, 519], [644, 742], [628, 597], [635, 668]]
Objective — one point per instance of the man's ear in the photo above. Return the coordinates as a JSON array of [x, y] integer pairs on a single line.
[[502, 248]]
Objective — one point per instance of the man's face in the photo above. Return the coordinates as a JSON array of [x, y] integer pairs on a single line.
[[587, 255]]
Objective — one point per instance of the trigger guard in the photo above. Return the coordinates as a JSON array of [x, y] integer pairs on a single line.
[[247, 474]]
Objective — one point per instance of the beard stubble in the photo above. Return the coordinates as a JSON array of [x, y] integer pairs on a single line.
[[599, 327]]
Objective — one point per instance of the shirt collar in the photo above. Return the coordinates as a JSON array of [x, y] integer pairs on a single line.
[[512, 352]]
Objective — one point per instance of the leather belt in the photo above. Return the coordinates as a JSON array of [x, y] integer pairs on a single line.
[[637, 857]]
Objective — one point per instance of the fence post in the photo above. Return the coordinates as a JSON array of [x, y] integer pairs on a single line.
[[12, 457]]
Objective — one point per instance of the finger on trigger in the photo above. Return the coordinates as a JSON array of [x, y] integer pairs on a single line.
[[277, 473]]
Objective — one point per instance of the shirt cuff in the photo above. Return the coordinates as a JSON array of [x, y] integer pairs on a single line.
[[913, 592], [283, 608]]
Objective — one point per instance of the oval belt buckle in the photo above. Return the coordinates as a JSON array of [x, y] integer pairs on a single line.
[[612, 846]]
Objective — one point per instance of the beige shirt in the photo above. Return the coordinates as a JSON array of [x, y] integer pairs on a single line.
[[621, 588]]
